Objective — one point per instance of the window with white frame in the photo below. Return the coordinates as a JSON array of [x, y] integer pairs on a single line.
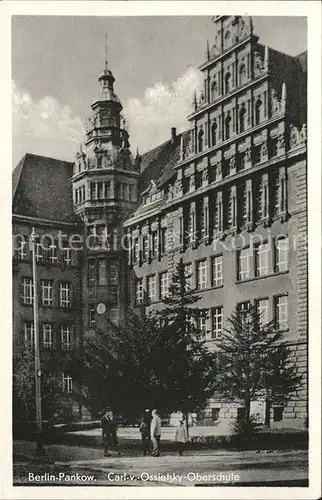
[[67, 383], [188, 275], [281, 255], [263, 311], [39, 252], [281, 312], [27, 295], [102, 279], [217, 322], [262, 259], [21, 248], [67, 256], [202, 274], [151, 288], [217, 271], [47, 335], [29, 332], [114, 316], [243, 264], [65, 294], [91, 314], [145, 244], [202, 322], [113, 273], [136, 250], [46, 292], [242, 309], [139, 291], [65, 336], [164, 285], [53, 257]]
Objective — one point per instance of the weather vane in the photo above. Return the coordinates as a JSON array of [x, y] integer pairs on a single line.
[[105, 50]]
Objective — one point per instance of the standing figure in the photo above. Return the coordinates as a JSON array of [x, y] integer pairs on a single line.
[[109, 432], [145, 432], [181, 437], [155, 431]]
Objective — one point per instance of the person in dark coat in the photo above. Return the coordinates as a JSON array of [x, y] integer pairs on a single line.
[[109, 431], [145, 432]]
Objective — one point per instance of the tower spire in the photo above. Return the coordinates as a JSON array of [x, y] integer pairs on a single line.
[[106, 51]]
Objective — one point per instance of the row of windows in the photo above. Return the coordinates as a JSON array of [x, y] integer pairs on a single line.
[[46, 293], [46, 334], [215, 413], [234, 121], [212, 322], [102, 190], [46, 253], [250, 263]]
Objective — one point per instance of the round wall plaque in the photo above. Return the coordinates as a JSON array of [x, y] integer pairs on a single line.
[[101, 308]]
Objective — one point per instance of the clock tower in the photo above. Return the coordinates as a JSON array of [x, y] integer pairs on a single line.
[[104, 193]]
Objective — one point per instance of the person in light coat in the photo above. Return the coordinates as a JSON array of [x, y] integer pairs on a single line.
[[181, 437], [155, 432]]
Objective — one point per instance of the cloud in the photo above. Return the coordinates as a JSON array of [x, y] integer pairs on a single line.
[[162, 106], [44, 127]]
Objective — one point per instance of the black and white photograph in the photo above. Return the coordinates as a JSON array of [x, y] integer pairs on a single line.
[[161, 238]]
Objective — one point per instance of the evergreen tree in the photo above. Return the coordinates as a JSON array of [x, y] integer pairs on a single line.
[[254, 362]]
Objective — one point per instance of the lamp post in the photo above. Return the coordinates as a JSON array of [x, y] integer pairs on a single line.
[[40, 445]]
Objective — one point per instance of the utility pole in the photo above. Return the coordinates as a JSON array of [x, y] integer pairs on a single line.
[[40, 445]]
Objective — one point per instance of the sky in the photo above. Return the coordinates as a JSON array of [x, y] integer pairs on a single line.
[[56, 61]]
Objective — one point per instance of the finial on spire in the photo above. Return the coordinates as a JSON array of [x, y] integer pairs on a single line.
[[106, 51], [195, 99], [208, 50]]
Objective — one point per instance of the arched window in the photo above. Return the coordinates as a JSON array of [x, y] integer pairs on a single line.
[[227, 126], [242, 115], [227, 83], [227, 39], [242, 74], [258, 107], [214, 133], [213, 90], [200, 139]]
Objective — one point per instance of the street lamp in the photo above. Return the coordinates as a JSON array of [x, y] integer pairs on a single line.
[[40, 445]]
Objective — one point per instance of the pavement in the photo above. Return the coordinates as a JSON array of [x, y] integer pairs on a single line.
[[72, 465]]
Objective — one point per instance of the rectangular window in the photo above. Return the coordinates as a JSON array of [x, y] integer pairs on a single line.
[[145, 244], [113, 274], [91, 314], [273, 148], [47, 335], [257, 154], [281, 312], [281, 255], [114, 316], [92, 273], [46, 292], [202, 323], [65, 295], [164, 285], [139, 291], [29, 332], [136, 250], [217, 271], [242, 308], [274, 191], [190, 227], [67, 256], [107, 189], [93, 190], [203, 221], [243, 264], [163, 240], [100, 190], [263, 311], [21, 251], [65, 336], [39, 252], [154, 241], [258, 199], [188, 275], [217, 322], [102, 272], [262, 260], [202, 272], [151, 288], [27, 296], [53, 257], [67, 384]]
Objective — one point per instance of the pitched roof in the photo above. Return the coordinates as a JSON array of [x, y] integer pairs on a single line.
[[157, 164], [41, 188]]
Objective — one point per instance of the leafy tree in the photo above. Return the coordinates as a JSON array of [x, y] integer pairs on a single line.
[[24, 399], [151, 360], [254, 361]]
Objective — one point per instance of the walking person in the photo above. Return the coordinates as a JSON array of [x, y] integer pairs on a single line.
[[145, 432], [155, 431], [181, 437]]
